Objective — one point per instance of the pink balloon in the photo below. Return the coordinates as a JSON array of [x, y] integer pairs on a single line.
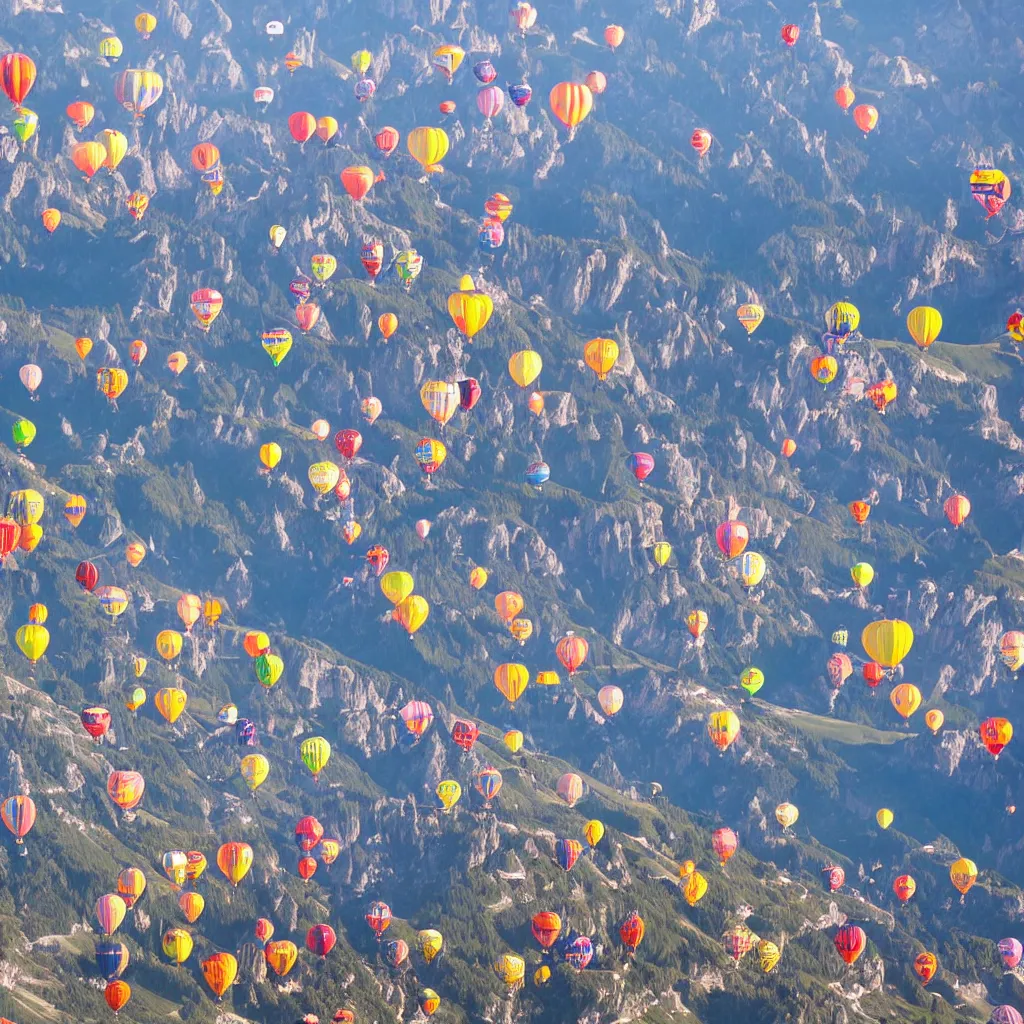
[[423, 528]]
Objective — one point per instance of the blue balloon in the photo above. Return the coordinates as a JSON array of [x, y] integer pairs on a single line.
[[245, 732], [484, 71], [111, 958], [538, 474], [520, 94]]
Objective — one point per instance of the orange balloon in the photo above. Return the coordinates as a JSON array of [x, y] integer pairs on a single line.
[[357, 181], [81, 113], [88, 157], [508, 605], [388, 324], [117, 993], [83, 346], [51, 219], [866, 117], [788, 447], [845, 96], [571, 102], [205, 156], [613, 35]]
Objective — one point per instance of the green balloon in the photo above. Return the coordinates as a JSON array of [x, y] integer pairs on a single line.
[[269, 668], [23, 432], [752, 680]]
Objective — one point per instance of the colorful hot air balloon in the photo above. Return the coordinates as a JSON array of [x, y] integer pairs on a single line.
[[995, 734], [572, 652], [17, 76], [571, 102], [610, 698], [723, 728], [137, 90], [924, 324], [750, 315], [904, 887], [357, 181], [234, 860], [488, 784], [963, 873], [469, 308], [701, 140], [906, 699], [19, 815], [790, 34], [220, 971], [427, 146], [957, 509], [850, 942], [315, 753]]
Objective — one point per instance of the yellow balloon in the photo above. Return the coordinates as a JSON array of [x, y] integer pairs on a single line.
[[963, 873], [884, 817], [601, 355], [168, 644], [441, 399], [177, 945], [270, 454], [277, 235], [752, 568], [510, 968], [786, 815], [862, 574], [170, 702], [934, 719], [511, 681], [397, 586], [324, 476], [662, 553], [593, 832], [470, 310], [26, 507], [412, 612], [887, 641], [428, 146], [478, 578], [695, 888], [524, 367], [514, 740], [32, 641], [449, 792], [254, 769], [430, 942], [924, 324], [906, 699], [750, 315]]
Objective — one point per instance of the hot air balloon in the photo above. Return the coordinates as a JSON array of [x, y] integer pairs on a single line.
[[752, 679], [51, 219], [488, 784], [1011, 951], [570, 788], [427, 146], [571, 102], [750, 315], [449, 792], [697, 623], [430, 454], [906, 699], [924, 324], [111, 959], [281, 955], [511, 681], [844, 97], [593, 832], [220, 971], [490, 100], [32, 641], [957, 509], [990, 188], [934, 720], [835, 877], [850, 942], [315, 753], [904, 887], [81, 113], [884, 817], [471, 309], [234, 861], [786, 815], [724, 842], [610, 698], [723, 728], [865, 117], [96, 722], [824, 369], [572, 652], [17, 76], [520, 93], [447, 59], [110, 910], [701, 141], [995, 734], [357, 181], [963, 873], [137, 90], [887, 641], [790, 34], [731, 537], [19, 815], [206, 304]]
